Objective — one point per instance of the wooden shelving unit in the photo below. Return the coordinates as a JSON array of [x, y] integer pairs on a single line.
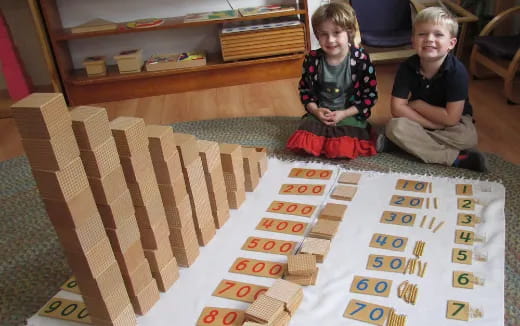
[[80, 89]]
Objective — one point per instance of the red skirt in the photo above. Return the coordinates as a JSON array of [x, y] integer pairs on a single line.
[[315, 138]]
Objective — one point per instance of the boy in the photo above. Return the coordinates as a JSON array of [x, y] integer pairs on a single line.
[[435, 123]]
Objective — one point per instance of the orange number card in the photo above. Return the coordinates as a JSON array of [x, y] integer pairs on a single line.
[[310, 174], [239, 291], [272, 246], [284, 207], [215, 316], [302, 189], [281, 226], [258, 267]]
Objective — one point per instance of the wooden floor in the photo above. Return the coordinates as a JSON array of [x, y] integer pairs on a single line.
[[497, 122]]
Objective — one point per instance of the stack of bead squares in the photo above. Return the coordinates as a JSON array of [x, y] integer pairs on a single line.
[[264, 310], [316, 247], [342, 192], [302, 269], [332, 211], [349, 178], [324, 229]]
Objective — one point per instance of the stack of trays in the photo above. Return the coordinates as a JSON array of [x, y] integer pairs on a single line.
[[262, 43]]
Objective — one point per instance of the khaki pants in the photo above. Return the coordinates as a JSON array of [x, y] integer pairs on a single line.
[[432, 146]]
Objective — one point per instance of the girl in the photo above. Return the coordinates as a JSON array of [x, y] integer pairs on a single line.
[[337, 89]]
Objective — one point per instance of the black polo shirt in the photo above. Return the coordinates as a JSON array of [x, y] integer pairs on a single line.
[[450, 83]]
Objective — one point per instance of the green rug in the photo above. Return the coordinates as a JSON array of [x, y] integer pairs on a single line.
[[32, 264]]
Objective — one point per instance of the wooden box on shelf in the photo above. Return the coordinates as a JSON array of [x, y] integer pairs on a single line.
[[175, 61], [263, 40], [95, 66], [129, 61]]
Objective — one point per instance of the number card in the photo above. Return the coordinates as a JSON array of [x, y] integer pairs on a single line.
[[398, 218], [464, 237], [466, 204], [310, 174], [302, 189], [461, 256], [371, 286], [393, 264], [406, 201], [258, 267], [458, 310], [71, 286], [467, 219], [366, 312], [464, 280], [388, 242], [234, 290], [283, 207], [272, 246], [215, 316], [411, 185], [281, 226], [66, 309], [464, 190]]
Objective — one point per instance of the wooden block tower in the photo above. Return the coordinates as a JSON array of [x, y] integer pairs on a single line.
[[209, 152], [132, 145], [101, 161], [233, 168], [196, 185], [177, 205], [46, 128], [251, 168]]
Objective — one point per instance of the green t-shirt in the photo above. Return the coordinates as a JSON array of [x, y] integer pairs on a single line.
[[335, 81]]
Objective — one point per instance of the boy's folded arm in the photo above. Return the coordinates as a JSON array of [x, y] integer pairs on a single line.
[[400, 108], [448, 116]]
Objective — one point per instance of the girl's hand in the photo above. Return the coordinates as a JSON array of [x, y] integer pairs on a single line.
[[325, 115]]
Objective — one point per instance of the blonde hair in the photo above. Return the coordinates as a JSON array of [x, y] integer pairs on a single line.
[[437, 16], [340, 13]]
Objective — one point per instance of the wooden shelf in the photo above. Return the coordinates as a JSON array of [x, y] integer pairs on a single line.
[[80, 89], [169, 23], [214, 62]]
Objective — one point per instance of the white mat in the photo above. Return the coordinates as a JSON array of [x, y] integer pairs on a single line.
[[325, 303]]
